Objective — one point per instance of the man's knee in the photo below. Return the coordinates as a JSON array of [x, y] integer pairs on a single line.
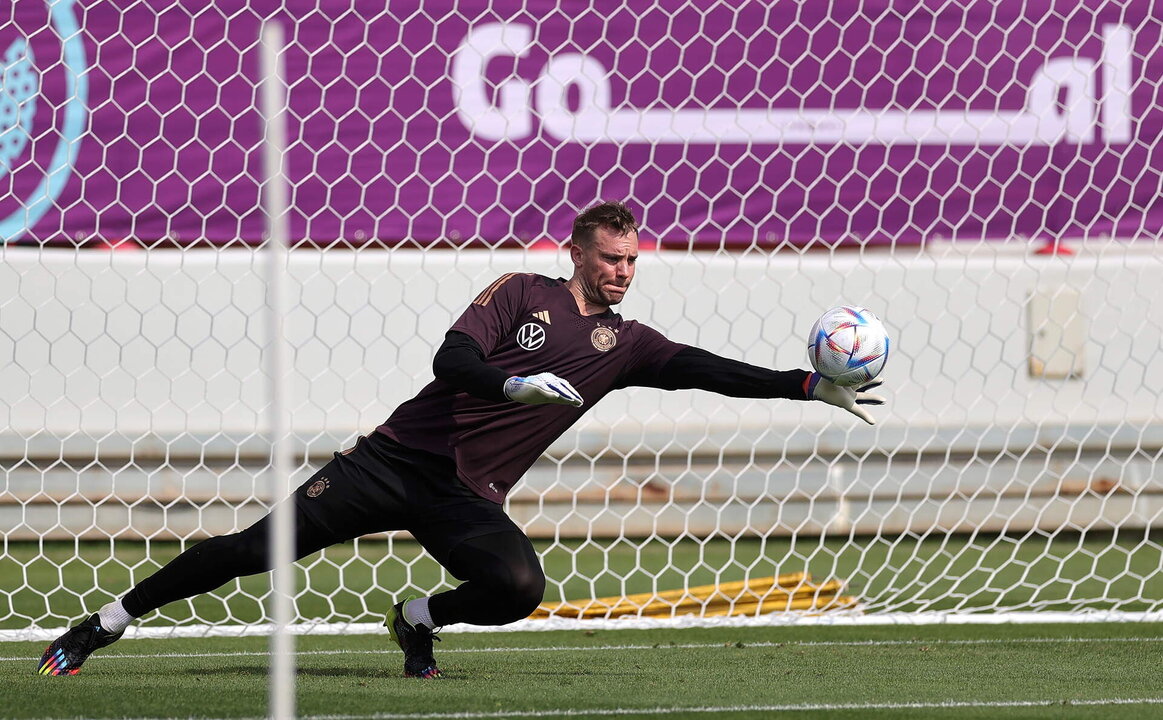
[[514, 593], [503, 581], [527, 589]]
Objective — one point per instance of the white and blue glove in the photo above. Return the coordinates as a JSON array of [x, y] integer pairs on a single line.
[[542, 389], [850, 399]]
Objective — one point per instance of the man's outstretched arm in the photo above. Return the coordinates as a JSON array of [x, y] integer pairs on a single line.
[[460, 362], [695, 368]]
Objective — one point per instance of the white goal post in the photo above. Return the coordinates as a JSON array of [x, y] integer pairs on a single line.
[[990, 188]]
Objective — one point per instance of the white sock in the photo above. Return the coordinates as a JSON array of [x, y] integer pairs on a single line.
[[416, 613], [114, 619]]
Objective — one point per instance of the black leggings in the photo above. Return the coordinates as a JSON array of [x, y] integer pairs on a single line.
[[503, 579], [378, 485]]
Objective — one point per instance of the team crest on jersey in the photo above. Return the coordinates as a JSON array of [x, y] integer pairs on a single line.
[[603, 338], [316, 488], [531, 336]]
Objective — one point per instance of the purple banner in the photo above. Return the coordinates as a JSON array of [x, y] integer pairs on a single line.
[[724, 124]]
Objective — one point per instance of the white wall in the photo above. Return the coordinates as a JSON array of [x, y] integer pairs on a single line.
[[169, 342]]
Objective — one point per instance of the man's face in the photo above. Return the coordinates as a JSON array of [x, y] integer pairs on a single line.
[[605, 267]]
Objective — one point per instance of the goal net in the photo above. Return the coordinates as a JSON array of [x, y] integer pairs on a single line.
[[986, 177]]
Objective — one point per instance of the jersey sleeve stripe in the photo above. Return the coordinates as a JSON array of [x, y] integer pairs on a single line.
[[487, 295]]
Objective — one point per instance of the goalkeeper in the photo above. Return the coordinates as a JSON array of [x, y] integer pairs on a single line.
[[520, 366]]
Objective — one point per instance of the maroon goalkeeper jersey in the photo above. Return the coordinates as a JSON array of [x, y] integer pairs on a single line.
[[526, 324]]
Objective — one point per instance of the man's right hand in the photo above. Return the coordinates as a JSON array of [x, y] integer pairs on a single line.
[[542, 389]]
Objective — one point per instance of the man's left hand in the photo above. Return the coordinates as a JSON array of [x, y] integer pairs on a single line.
[[848, 398]]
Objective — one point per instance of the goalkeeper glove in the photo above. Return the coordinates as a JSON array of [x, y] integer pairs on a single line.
[[817, 387], [542, 389]]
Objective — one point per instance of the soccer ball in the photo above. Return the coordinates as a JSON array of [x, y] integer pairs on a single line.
[[848, 345]]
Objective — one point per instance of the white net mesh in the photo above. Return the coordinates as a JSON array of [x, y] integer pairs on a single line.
[[783, 160]]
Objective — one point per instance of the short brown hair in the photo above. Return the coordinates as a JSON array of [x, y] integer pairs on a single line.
[[611, 214]]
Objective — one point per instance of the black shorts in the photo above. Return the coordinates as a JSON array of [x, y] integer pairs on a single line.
[[380, 485]]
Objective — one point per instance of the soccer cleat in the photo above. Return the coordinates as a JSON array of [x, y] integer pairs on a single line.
[[68, 652], [415, 641]]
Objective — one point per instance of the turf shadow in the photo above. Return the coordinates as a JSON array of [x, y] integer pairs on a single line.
[[337, 671]]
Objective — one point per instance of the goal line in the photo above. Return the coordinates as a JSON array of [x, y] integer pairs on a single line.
[[842, 619]]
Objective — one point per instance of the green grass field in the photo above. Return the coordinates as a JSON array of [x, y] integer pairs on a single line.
[[966, 671], [1025, 671]]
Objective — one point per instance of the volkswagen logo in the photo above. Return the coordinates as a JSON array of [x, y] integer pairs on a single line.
[[531, 336]]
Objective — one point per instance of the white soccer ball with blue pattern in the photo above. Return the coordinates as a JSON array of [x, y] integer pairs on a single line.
[[848, 345]]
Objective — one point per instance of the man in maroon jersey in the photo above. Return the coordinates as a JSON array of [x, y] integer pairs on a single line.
[[520, 366]]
